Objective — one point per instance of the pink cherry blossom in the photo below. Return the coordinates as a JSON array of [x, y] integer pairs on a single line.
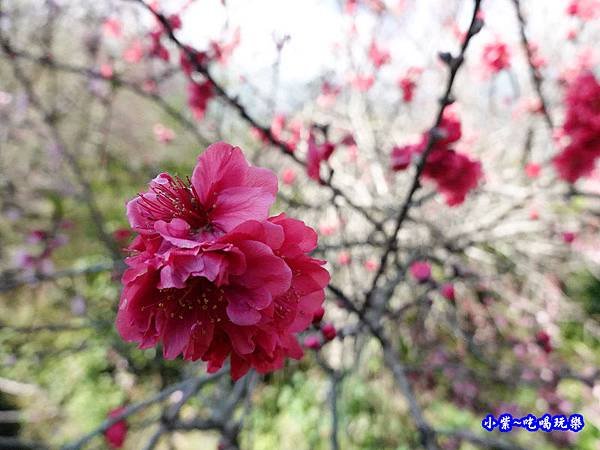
[[532, 170], [288, 176], [199, 94], [163, 134]]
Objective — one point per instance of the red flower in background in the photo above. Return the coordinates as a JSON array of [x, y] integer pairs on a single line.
[[211, 276], [328, 331], [421, 271], [447, 291], [350, 6], [222, 51], [584, 9], [288, 176], [115, 434], [163, 134], [454, 173], [317, 153], [134, 53], [362, 82], [542, 338], [312, 342], [199, 94], [496, 56], [582, 126], [328, 95], [408, 83], [188, 59], [402, 156], [533, 170], [378, 55], [112, 27]]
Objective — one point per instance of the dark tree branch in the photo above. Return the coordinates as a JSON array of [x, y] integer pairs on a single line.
[[536, 76], [243, 111], [454, 63]]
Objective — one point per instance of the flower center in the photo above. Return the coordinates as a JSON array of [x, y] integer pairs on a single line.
[[177, 198], [201, 299]]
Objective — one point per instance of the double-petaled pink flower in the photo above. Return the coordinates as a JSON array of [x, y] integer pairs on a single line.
[[211, 276], [582, 127], [454, 173]]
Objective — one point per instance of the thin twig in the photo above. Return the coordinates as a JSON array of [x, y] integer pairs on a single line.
[[536, 76]]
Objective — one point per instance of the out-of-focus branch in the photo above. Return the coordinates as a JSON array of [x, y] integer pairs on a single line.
[[335, 379], [486, 442], [536, 76], [133, 409], [454, 63], [49, 120], [222, 418], [11, 443], [10, 280], [117, 81], [243, 111], [396, 367]]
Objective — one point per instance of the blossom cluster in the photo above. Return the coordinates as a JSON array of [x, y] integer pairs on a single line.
[[212, 276], [454, 173], [582, 127], [496, 57]]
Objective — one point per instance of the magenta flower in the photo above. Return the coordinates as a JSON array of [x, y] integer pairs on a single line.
[[199, 94], [454, 173], [317, 153], [582, 126], [496, 56], [420, 271], [312, 342], [533, 170], [329, 332], [115, 434], [212, 276], [378, 55], [224, 191], [447, 291]]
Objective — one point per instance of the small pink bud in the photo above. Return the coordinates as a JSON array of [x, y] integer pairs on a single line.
[[312, 342], [318, 315], [532, 170], [344, 258], [106, 71], [115, 434], [447, 291], [534, 214], [543, 340], [329, 332], [371, 265], [568, 237], [163, 134], [121, 234], [421, 271], [288, 176], [175, 21]]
